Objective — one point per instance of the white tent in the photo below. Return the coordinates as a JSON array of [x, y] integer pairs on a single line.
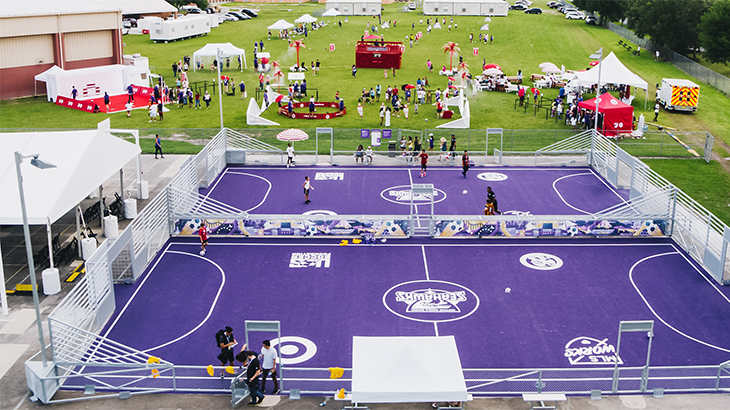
[[84, 161], [407, 370], [331, 13], [306, 19], [92, 82], [281, 25], [612, 72], [227, 50]]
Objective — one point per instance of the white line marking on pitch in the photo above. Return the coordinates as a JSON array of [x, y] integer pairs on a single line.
[[425, 264], [563, 199]]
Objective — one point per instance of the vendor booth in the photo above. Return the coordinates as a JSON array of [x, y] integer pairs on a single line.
[[92, 82], [617, 116]]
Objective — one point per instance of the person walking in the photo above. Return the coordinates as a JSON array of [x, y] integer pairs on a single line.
[[203, 234], [160, 114], [307, 187], [253, 371], [207, 99], [107, 101], [354, 71], [289, 155], [268, 365], [452, 147], [158, 146], [656, 111], [465, 163], [382, 113], [424, 163], [128, 106], [242, 87], [130, 93]]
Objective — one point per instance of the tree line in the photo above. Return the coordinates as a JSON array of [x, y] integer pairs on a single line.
[[681, 25]]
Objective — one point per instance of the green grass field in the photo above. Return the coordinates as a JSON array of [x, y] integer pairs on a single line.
[[521, 42]]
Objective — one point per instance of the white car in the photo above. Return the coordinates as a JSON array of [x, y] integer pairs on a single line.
[[574, 15], [411, 6]]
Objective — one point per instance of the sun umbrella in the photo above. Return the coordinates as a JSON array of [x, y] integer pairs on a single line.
[[594, 63], [492, 65], [492, 71], [533, 90], [279, 98], [264, 60], [487, 19], [225, 77], [452, 86], [547, 64], [550, 70], [371, 37], [292, 134], [410, 86], [452, 78], [484, 27]]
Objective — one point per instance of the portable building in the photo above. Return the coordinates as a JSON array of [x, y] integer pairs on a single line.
[[355, 8], [180, 28], [465, 7]]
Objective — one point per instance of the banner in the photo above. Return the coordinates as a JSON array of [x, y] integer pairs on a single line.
[[522, 228], [364, 133], [295, 227], [475, 51], [387, 133], [332, 47], [375, 139]]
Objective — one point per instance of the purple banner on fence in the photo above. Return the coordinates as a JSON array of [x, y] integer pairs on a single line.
[[364, 133], [387, 133]]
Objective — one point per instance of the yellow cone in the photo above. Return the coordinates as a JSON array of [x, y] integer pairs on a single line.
[[153, 359], [336, 372], [229, 370], [155, 373], [343, 242], [341, 394], [210, 370]]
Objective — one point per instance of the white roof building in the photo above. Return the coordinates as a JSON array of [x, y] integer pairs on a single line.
[[355, 8], [465, 7]]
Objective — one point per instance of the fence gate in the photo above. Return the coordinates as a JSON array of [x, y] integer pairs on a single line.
[[495, 132], [709, 142], [324, 131], [268, 326], [418, 220]]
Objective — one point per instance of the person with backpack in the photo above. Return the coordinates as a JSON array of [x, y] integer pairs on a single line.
[[225, 341], [251, 376]]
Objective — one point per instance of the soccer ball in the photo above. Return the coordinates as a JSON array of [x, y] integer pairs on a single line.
[[202, 253], [507, 290], [426, 119], [465, 192]]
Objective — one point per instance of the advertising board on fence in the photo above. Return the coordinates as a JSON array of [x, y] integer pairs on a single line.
[[295, 227], [522, 228]]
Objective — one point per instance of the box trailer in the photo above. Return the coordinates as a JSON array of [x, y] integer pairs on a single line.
[[677, 94], [180, 28]]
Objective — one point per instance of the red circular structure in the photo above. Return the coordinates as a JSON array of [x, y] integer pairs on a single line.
[[283, 110]]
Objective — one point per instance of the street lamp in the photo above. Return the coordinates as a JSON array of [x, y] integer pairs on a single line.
[[599, 55], [219, 55], [28, 248]]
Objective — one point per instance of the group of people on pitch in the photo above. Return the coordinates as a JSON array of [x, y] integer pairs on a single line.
[[253, 366]]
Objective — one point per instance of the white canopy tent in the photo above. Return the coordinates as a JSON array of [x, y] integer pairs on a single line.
[[281, 25], [612, 72], [92, 82], [407, 370], [306, 18], [331, 13], [227, 50]]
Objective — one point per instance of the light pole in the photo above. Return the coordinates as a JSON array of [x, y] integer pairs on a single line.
[[219, 56], [599, 55], [28, 248]]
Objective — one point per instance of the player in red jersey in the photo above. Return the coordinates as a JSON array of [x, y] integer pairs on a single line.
[[203, 233], [424, 163]]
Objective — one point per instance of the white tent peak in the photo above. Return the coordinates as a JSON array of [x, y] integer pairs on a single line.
[[281, 25], [612, 72], [306, 18], [227, 49]]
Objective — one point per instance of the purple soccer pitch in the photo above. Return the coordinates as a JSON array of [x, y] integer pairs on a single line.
[[385, 191], [510, 304]]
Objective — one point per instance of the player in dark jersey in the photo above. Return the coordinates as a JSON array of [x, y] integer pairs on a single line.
[[424, 163]]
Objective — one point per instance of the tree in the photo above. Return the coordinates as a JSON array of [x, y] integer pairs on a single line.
[[609, 10], [451, 48], [715, 32], [202, 4], [673, 23]]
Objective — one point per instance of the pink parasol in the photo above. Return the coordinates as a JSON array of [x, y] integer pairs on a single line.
[[292, 135], [452, 86], [410, 86], [452, 78], [492, 65], [225, 77], [279, 98], [264, 60], [594, 63], [372, 37]]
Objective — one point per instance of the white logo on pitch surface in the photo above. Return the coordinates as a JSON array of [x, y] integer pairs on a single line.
[[541, 261], [405, 195], [309, 260], [587, 350], [431, 300], [329, 176]]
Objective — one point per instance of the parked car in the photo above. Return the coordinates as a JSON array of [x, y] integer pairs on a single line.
[[249, 12], [129, 23], [518, 7], [553, 4], [210, 10], [567, 10], [592, 20], [411, 6], [573, 15], [195, 11], [534, 10], [229, 17], [240, 16]]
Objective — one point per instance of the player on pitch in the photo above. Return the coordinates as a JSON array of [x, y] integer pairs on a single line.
[[424, 163], [203, 233]]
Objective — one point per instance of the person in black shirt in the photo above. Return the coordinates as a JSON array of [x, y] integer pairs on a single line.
[[252, 375], [465, 163], [493, 197]]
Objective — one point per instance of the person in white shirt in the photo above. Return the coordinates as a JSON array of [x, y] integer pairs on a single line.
[[307, 187], [369, 155], [268, 365], [289, 155]]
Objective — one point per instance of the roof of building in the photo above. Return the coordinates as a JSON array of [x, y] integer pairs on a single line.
[[141, 6], [55, 7]]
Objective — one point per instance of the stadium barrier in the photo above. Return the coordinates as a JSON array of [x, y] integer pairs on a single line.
[[656, 207]]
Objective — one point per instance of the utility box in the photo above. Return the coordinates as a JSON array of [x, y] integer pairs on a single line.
[[678, 94]]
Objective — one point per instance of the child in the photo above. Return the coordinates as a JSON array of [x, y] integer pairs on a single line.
[[203, 234], [307, 186], [424, 163], [129, 106]]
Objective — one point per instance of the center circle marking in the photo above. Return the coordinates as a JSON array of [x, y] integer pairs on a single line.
[[431, 301], [401, 194], [289, 347]]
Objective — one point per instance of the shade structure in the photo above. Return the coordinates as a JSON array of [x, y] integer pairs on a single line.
[[331, 13], [612, 72], [292, 134], [547, 64], [84, 161], [487, 19], [484, 27], [617, 116], [492, 71], [227, 50], [550, 70], [594, 63], [492, 65], [306, 18], [410, 86], [371, 37], [281, 25], [406, 370]]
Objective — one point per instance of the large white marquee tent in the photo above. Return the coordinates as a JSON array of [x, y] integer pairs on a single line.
[[92, 82], [612, 72]]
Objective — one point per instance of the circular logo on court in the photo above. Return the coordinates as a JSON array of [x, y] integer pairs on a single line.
[[430, 301], [319, 212], [541, 261], [295, 349], [401, 194], [491, 176]]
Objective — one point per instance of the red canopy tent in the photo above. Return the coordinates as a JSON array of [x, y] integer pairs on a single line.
[[617, 116]]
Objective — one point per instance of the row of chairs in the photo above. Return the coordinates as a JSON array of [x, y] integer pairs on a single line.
[[628, 47], [61, 255]]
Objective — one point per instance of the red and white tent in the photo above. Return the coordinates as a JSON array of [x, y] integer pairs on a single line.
[[617, 116]]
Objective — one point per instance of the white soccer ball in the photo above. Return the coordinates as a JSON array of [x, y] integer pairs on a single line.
[[465, 192], [507, 290], [202, 253], [426, 119], [383, 240]]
